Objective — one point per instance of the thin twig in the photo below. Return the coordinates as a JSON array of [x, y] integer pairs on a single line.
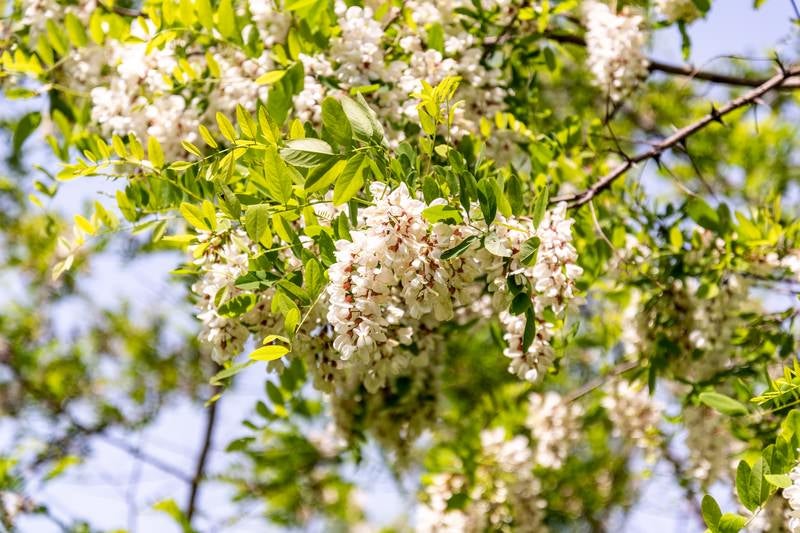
[[199, 473], [678, 70], [679, 136], [621, 368]]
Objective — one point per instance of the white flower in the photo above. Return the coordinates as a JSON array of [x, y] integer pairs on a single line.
[[615, 46], [792, 496], [634, 413], [555, 426]]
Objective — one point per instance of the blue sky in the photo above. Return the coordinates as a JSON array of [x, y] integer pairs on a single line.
[[100, 489]]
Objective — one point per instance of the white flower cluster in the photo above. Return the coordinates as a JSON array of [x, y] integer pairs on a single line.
[[615, 45], [553, 276], [634, 414], [700, 326], [792, 496], [678, 10], [389, 284], [396, 415], [388, 278], [365, 53], [712, 449], [506, 496], [555, 426], [223, 257]]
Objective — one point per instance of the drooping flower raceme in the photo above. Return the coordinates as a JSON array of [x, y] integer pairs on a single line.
[[792, 495], [553, 277], [389, 284], [635, 414], [506, 495], [555, 426], [615, 45]]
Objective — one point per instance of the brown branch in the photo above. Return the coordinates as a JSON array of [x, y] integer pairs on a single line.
[[621, 368], [678, 70], [199, 473], [679, 136]]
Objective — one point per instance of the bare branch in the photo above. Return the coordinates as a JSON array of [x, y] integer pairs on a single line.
[[715, 115], [199, 473], [679, 70]]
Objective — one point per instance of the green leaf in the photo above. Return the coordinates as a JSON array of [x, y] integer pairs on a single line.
[[154, 152], [358, 116], [758, 488], [441, 212], [782, 481], [274, 393], [298, 293], [350, 181], [527, 254], [732, 523], [742, 484], [26, 125], [711, 512], [225, 127], [226, 20], [256, 224], [205, 14], [723, 404], [459, 249], [530, 329], [172, 509], [702, 213], [276, 174], [269, 353], [335, 121], [193, 215], [324, 176], [520, 303], [487, 200], [237, 306], [75, 30], [231, 371], [496, 246], [540, 207], [307, 152]]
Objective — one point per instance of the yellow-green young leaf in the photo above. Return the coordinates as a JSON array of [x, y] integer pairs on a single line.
[[104, 216], [297, 130], [154, 152], [207, 137], [186, 13], [225, 127], [350, 180], [256, 224], [269, 353], [246, 124], [267, 126], [268, 78], [168, 11], [209, 214], [319, 180], [194, 216], [191, 148], [125, 206], [205, 14], [270, 338], [226, 20], [85, 225], [276, 174], [75, 31], [119, 147], [136, 147]]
